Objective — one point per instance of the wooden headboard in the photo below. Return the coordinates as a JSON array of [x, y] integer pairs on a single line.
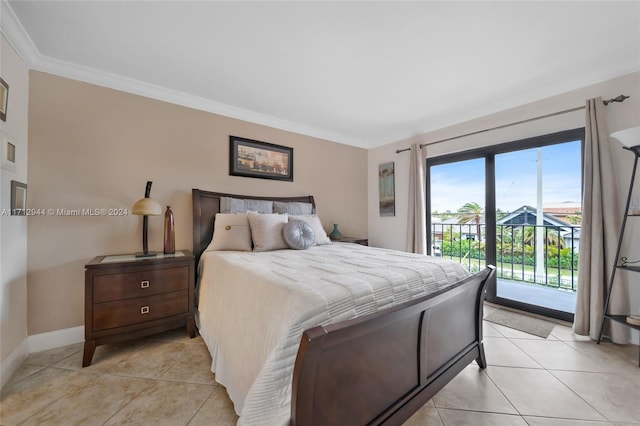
[[205, 206]]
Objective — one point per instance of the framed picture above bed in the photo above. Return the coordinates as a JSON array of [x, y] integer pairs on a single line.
[[251, 158]]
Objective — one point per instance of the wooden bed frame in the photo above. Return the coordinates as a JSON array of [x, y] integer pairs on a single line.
[[380, 368]]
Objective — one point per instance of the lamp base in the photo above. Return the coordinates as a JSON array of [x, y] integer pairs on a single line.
[[147, 254]]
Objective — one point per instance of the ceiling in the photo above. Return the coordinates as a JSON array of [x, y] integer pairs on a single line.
[[359, 73]]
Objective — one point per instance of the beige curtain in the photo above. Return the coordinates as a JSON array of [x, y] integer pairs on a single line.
[[600, 227], [417, 217]]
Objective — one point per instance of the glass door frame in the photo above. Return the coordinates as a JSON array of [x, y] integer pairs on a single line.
[[489, 154]]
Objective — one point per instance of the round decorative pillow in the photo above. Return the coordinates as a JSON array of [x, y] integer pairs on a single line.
[[298, 235]]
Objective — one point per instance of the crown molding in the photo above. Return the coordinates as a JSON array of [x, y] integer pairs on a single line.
[[141, 88], [20, 40], [16, 35], [137, 87]]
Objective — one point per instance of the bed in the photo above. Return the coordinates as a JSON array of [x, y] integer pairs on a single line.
[[303, 337]]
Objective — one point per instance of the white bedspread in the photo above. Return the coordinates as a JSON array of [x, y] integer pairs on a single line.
[[253, 308]]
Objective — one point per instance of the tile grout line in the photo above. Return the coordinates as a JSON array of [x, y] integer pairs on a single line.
[[130, 401], [500, 389], [201, 405], [552, 371], [62, 395], [576, 393]]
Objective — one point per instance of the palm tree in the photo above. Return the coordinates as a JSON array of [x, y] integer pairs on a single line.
[[552, 237], [471, 212]]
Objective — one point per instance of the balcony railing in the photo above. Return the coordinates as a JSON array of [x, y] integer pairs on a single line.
[[540, 255]]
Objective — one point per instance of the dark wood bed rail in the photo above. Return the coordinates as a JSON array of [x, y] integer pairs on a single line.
[[381, 368]]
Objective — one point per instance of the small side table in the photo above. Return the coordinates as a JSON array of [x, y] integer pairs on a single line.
[[127, 297], [355, 240]]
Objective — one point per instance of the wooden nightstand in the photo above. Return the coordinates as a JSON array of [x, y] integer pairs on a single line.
[[361, 241], [128, 297]]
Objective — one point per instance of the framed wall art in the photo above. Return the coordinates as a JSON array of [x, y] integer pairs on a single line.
[[251, 158], [18, 198], [4, 99], [8, 157], [386, 184]]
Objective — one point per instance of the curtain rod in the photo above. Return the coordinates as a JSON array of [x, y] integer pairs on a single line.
[[620, 98]]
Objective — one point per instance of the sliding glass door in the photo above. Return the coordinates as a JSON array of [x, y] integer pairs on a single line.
[[515, 206], [458, 212], [538, 192]]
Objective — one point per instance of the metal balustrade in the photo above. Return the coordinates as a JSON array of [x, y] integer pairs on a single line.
[[516, 251]]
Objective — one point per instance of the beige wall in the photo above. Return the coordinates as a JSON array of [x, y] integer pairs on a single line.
[[93, 147], [13, 229], [390, 232]]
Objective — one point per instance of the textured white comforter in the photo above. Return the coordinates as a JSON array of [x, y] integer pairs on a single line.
[[253, 308]]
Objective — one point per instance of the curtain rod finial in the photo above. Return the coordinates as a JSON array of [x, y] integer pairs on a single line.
[[619, 98]]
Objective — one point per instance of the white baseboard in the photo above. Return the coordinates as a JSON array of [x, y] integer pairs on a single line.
[[56, 339], [13, 362], [37, 343]]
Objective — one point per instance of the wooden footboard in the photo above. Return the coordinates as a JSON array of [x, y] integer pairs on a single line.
[[381, 368]]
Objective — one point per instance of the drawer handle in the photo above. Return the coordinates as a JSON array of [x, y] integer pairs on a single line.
[[144, 284], [144, 310]]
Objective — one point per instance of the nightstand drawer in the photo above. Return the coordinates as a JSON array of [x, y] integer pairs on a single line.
[[127, 297], [129, 285], [142, 309]]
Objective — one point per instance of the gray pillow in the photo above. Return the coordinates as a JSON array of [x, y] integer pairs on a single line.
[[241, 205], [314, 221], [299, 235], [292, 207]]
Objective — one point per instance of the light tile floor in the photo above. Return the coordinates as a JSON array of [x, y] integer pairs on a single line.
[[564, 380]]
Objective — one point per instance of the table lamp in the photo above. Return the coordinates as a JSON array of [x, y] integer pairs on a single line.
[[146, 207]]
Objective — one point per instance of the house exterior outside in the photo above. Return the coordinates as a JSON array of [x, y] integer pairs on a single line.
[[527, 216]]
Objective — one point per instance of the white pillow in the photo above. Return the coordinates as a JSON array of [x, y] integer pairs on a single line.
[[316, 225], [266, 231], [231, 232]]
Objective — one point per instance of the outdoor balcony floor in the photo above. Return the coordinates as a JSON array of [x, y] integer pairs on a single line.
[[559, 300]]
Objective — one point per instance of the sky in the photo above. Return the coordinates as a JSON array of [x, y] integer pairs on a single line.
[[453, 185]]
